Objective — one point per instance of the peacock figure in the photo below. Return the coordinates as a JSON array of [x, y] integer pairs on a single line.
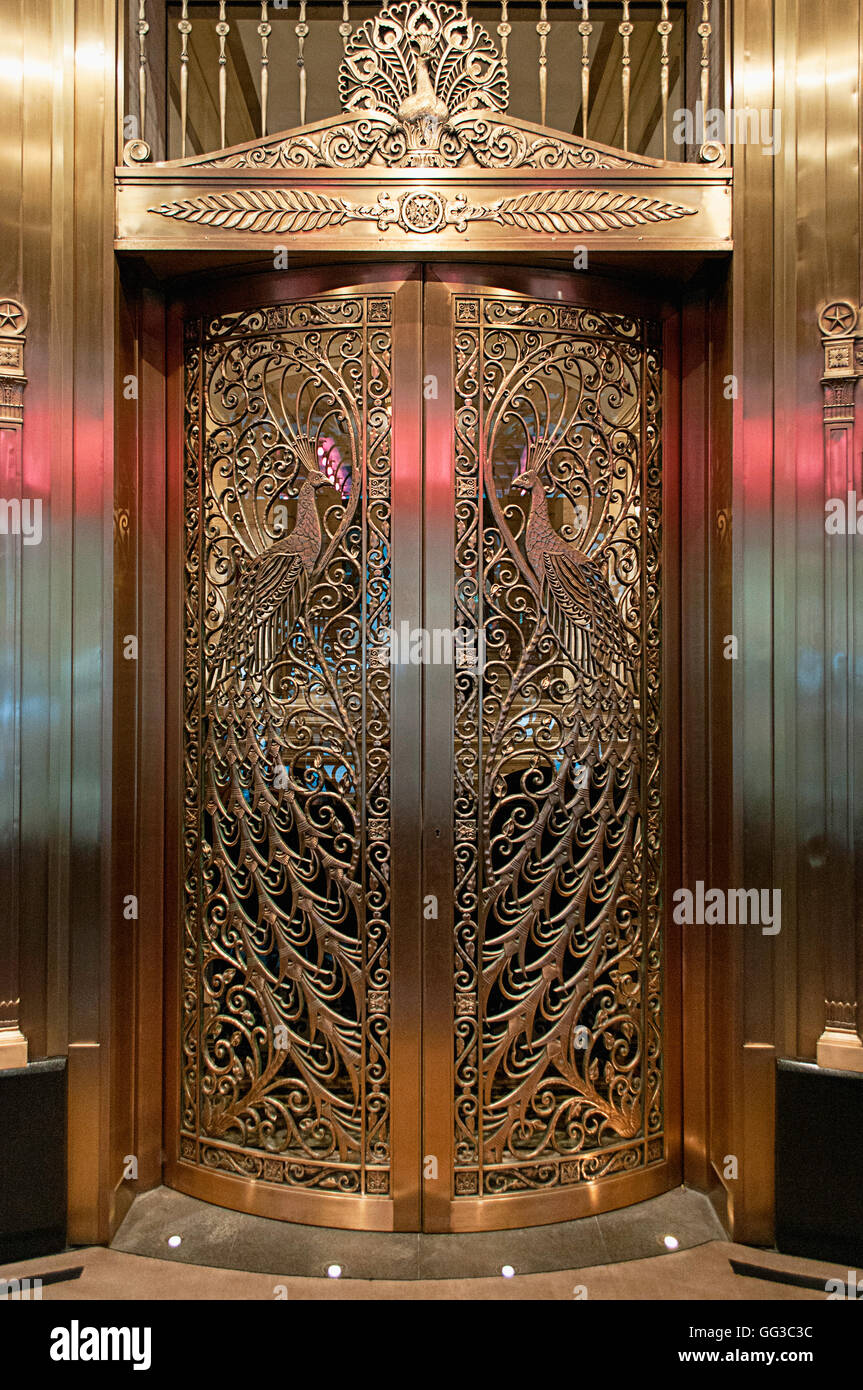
[[575, 595], [270, 589], [561, 809]]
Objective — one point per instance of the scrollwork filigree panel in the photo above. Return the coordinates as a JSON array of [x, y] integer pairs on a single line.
[[557, 796], [286, 984]]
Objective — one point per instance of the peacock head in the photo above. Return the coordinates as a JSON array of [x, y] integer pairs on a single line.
[[309, 461], [527, 479], [534, 457]]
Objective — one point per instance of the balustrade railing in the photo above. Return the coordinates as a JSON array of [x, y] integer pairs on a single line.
[[204, 75]]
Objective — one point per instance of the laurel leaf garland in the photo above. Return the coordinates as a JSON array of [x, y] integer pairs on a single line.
[[262, 210], [590, 210]]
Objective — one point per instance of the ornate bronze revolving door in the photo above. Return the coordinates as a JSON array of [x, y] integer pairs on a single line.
[[423, 978]]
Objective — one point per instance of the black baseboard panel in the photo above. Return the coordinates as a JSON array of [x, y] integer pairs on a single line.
[[819, 1162], [33, 1160]]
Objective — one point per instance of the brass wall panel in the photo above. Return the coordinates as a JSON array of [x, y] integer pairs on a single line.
[[408, 580], [125, 829], [704, 702], [695, 712], [753, 308], [796, 818], [139, 727], [57, 150]]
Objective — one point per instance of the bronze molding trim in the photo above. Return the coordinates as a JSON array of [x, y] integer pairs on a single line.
[[424, 95], [840, 1046], [423, 211], [13, 322], [844, 1014]]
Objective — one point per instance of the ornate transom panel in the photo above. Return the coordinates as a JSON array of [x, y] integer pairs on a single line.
[[423, 155], [422, 86]]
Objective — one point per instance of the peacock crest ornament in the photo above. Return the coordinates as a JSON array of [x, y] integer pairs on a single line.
[[425, 64], [421, 85]]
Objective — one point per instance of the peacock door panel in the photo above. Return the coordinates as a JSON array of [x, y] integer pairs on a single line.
[[423, 978], [286, 1079], [554, 957]]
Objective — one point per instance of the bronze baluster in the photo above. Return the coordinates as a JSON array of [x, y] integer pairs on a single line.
[[301, 30], [185, 28], [345, 26], [625, 30], [222, 29], [705, 30], [664, 30], [585, 28], [264, 29], [504, 30], [143, 30], [542, 29]]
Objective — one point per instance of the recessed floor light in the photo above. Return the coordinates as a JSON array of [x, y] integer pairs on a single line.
[[670, 1242], [507, 1271], [174, 1241], [334, 1271]]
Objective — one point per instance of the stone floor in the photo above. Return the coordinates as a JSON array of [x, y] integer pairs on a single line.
[[230, 1255], [701, 1273], [235, 1240]]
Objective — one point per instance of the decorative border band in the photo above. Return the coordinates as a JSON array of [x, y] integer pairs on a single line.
[[423, 211]]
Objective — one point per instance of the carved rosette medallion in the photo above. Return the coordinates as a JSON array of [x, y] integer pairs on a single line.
[[422, 212]]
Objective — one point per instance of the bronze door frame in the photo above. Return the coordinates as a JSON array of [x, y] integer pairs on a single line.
[[421, 695]]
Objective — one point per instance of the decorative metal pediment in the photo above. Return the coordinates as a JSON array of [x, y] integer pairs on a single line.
[[422, 86], [473, 139]]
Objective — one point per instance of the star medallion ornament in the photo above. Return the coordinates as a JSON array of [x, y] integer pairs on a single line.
[[13, 316], [837, 317]]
